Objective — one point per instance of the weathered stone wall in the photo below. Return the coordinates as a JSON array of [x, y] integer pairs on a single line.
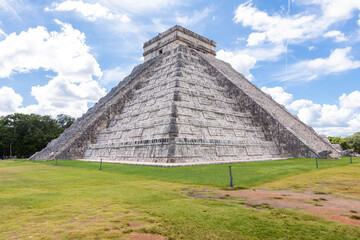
[[181, 114], [290, 134], [185, 106], [71, 143]]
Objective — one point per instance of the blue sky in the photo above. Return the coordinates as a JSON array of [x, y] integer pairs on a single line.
[[62, 56]]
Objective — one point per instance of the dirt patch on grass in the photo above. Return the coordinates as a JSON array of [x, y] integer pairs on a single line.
[[145, 236], [134, 225], [324, 205], [209, 195]]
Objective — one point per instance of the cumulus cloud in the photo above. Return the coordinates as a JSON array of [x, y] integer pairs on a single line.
[[332, 115], [274, 29], [339, 60], [240, 62], [331, 120], [91, 12], [9, 101], [256, 38], [275, 32], [355, 122], [266, 52], [279, 95], [65, 53], [307, 111], [61, 95], [2, 34], [337, 35], [244, 60], [335, 10], [297, 28], [116, 74], [351, 101]]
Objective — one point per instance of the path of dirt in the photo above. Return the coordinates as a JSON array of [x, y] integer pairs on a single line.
[[146, 236], [334, 208], [327, 206]]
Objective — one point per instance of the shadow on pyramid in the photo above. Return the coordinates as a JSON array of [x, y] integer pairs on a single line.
[[183, 106]]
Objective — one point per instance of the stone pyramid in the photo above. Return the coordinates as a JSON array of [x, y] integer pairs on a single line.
[[182, 105]]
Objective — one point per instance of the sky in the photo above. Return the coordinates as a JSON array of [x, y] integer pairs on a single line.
[[60, 57]]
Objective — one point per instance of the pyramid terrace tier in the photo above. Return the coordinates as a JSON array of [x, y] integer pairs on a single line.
[[184, 150], [189, 129], [186, 126]]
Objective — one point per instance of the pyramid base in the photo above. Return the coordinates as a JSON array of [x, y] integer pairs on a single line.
[[154, 164]]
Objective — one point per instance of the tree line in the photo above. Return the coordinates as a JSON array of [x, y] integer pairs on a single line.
[[349, 142], [22, 135]]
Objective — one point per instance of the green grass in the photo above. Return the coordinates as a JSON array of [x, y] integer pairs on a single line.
[[339, 181], [244, 175], [77, 201]]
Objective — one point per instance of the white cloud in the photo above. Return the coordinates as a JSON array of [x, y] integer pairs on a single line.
[[265, 53], [274, 29], [331, 120], [355, 122], [91, 12], [244, 60], [307, 111], [332, 115], [272, 33], [9, 101], [256, 38], [64, 53], [351, 101], [297, 28], [337, 35], [240, 62], [338, 61], [279, 95], [336, 10], [62, 96], [312, 48], [2, 34], [197, 17], [116, 74]]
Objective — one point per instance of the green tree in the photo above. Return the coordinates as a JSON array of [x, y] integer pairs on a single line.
[[64, 121], [24, 134], [349, 142], [340, 140], [354, 141], [5, 138], [336, 140]]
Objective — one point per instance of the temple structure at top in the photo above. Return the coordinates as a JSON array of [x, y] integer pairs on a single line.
[[174, 36]]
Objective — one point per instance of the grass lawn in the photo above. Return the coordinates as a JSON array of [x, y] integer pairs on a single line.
[[343, 182], [75, 200]]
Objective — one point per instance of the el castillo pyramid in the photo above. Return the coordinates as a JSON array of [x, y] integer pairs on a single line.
[[182, 105]]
